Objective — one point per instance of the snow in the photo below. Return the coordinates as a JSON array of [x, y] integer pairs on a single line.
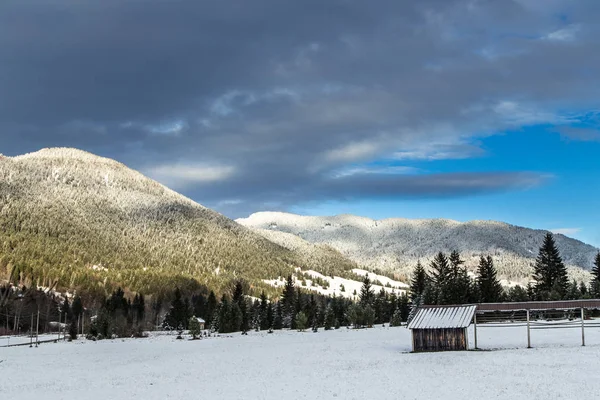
[[342, 364], [396, 244], [335, 284], [380, 278]]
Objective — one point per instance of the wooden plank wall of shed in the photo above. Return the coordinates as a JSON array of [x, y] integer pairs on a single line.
[[446, 339]]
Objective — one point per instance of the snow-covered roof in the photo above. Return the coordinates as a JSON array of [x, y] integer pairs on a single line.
[[200, 320], [443, 317]]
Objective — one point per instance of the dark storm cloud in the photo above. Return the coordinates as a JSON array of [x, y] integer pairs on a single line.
[[240, 103]]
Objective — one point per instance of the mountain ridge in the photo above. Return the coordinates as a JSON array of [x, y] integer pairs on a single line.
[[73, 220], [396, 244]]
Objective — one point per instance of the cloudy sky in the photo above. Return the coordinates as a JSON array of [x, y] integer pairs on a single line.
[[463, 109]]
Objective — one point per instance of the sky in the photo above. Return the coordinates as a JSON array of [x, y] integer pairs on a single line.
[[460, 109]]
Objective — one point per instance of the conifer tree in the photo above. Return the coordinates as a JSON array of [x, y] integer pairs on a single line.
[[240, 300], [404, 307], [329, 317], [419, 281], [178, 314], [301, 321], [550, 272], [368, 315], [211, 306], [194, 327], [77, 307], [595, 283], [278, 318], [440, 276], [65, 309], [396, 318], [265, 322], [366, 292], [489, 288], [573, 292], [288, 302]]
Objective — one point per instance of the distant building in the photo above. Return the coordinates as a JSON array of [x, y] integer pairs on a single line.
[[202, 322], [441, 328]]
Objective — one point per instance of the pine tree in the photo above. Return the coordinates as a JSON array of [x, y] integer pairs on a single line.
[[419, 281], [573, 292], [404, 307], [65, 309], [278, 318], [288, 300], [301, 321], [329, 317], [265, 323], [595, 283], [240, 300], [439, 278], [489, 288], [368, 316], [211, 306], [177, 318], [77, 307], [550, 272], [396, 318], [366, 292], [194, 327], [270, 316]]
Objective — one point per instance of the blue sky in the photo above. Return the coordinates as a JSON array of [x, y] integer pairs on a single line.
[[567, 202], [462, 109]]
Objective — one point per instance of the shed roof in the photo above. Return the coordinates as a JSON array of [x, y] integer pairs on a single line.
[[443, 317]]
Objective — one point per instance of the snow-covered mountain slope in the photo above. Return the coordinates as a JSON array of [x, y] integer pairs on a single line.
[[73, 220], [396, 244]]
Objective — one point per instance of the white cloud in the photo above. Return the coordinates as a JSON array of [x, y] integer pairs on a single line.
[[566, 231], [567, 34], [391, 170], [182, 175], [352, 152]]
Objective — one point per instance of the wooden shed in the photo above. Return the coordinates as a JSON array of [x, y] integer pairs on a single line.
[[441, 328]]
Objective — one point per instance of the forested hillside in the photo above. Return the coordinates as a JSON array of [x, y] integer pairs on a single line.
[[72, 220]]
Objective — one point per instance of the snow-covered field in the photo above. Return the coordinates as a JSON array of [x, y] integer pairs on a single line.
[[344, 364]]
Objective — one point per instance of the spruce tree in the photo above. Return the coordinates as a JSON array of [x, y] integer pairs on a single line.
[[396, 318], [211, 306], [368, 316], [278, 318], [404, 307], [301, 321], [440, 276], [177, 318], [329, 317], [489, 288], [366, 292], [77, 307], [550, 272], [595, 283], [265, 323], [240, 300], [288, 300], [194, 327], [419, 281]]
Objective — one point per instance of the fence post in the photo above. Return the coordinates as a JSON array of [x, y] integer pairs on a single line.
[[475, 328], [31, 332], [582, 328], [528, 332]]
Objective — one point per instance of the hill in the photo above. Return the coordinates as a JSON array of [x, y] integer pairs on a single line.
[[395, 245], [73, 220]]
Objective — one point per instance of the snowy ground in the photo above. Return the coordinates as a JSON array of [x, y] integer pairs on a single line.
[[344, 364]]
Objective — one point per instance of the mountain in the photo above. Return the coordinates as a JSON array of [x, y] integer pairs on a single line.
[[396, 244], [73, 220]]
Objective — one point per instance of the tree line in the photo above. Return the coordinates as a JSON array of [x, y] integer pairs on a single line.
[[448, 281], [445, 281]]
